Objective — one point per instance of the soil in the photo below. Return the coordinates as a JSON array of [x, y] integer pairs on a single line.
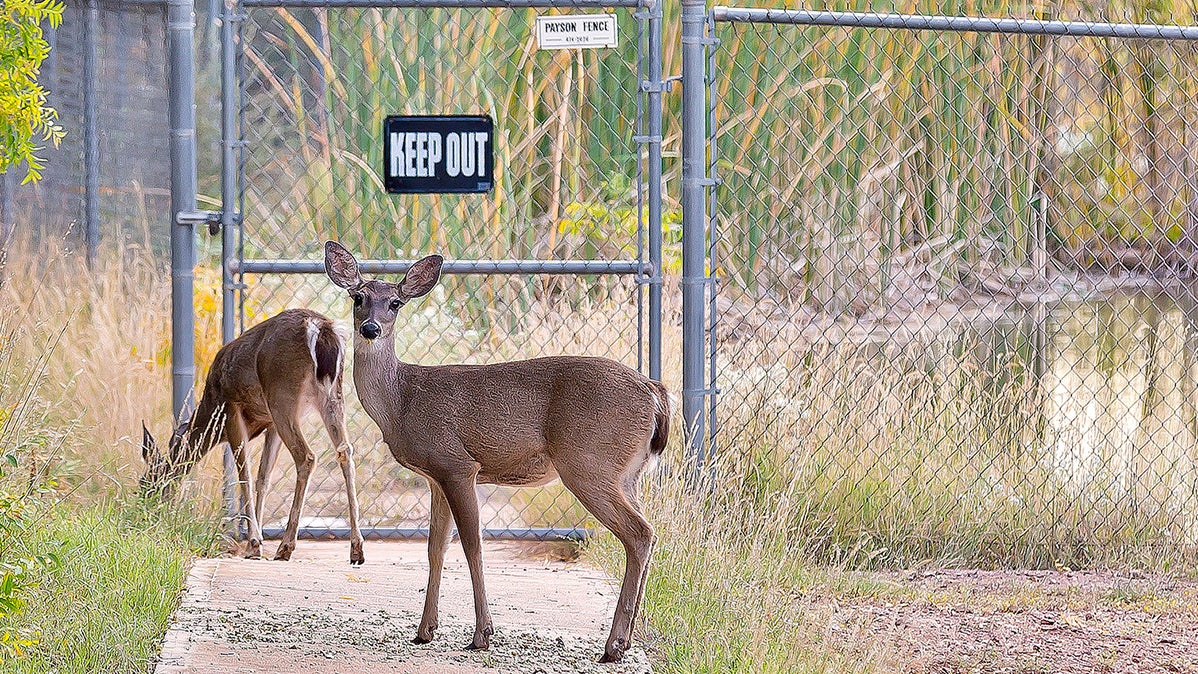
[[1022, 622]]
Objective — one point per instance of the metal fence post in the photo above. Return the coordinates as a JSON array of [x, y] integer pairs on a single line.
[[91, 141], [228, 173], [655, 233], [228, 204], [694, 226], [180, 39]]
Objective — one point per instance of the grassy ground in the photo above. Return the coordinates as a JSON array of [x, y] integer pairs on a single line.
[[756, 576], [105, 607], [722, 596], [81, 363], [726, 596]]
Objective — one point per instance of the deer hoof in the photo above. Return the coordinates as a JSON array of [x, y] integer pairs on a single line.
[[425, 634], [253, 550], [284, 552], [482, 640], [356, 558], [614, 651]]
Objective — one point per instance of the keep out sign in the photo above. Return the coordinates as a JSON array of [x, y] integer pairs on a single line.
[[427, 153]]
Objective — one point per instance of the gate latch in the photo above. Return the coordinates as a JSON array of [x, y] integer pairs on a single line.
[[664, 86], [211, 218]]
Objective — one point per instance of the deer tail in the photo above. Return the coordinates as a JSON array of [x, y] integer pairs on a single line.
[[326, 350], [661, 418]]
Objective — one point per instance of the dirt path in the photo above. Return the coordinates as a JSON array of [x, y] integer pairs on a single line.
[[317, 615], [1024, 622]]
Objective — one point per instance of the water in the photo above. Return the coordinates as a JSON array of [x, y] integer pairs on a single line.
[[1117, 382]]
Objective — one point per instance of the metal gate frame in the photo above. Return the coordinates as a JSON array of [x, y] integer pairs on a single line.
[[700, 181], [646, 268]]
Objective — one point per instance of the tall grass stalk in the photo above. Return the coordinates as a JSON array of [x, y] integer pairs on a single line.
[[110, 332], [321, 82]]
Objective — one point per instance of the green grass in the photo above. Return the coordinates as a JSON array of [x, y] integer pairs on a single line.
[[107, 605], [724, 599]]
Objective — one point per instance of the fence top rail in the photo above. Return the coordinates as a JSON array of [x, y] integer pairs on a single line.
[[962, 24], [563, 267], [455, 4]]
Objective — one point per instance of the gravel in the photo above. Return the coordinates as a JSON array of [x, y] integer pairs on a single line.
[[388, 635]]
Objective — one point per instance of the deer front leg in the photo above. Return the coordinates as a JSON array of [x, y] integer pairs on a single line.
[[439, 528], [238, 437], [463, 503]]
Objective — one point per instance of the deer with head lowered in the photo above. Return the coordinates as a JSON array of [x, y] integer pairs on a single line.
[[263, 382], [591, 422]]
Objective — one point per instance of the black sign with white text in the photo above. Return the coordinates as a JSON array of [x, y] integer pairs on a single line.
[[426, 154]]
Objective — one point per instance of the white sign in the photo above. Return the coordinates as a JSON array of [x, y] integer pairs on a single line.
[[576, 31]]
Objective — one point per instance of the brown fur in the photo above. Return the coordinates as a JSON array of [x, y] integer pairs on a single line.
[[590, 421], [259, 383]]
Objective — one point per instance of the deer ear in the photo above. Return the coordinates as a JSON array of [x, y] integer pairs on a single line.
[[421, 278], [341, 266], [149, 448]]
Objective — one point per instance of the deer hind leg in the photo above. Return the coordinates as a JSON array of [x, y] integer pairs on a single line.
[[631, 488], [607, 501], [266, 466], [439, 529], [332, 412], [463, 503], [238, 437], [287, 425]]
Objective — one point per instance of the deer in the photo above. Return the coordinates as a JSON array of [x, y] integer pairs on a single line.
[[591, 422], [263, 382]]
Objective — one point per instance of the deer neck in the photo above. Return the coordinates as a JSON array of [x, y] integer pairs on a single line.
[[207, 426], [380, 379]]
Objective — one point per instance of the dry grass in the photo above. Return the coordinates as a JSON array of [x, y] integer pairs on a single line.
[[110, 364], [81, 361]]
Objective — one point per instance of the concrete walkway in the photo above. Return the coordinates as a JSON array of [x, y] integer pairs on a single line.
[[317, 615]]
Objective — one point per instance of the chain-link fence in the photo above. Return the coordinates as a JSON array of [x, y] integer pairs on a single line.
[[945, 293], [955, 313], [551, 261], [107, 80]]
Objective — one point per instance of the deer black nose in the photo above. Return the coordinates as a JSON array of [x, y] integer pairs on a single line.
[[370, 330]]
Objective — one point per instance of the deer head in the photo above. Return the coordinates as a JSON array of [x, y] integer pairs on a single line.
[[185, 449], [377, 303], [162, 469]]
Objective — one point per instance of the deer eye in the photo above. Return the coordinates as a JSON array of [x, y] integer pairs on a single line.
[[357, 299], [396, 304]]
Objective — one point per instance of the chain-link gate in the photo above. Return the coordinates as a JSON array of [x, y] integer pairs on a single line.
[[955, 266], [558, 258]]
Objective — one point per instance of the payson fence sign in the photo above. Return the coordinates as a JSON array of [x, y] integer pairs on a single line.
[[579, 31], [426, 153]]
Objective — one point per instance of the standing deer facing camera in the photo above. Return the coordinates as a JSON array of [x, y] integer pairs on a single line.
[[263, 381], [590, 421]]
